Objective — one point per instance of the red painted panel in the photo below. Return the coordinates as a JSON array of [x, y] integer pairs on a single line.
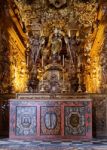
[[51, 119]]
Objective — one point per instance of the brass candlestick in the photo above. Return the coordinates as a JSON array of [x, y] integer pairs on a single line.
[[79, 76]]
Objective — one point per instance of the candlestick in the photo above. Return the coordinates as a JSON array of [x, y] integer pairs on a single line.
[[42, 62], [63, 89], [42, 81], [59, 58], [58, 75], [63, 78]]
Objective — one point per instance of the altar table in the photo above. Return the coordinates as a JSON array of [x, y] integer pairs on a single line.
[[55, 119]]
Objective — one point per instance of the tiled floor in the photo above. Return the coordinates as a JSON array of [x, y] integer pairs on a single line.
[[7, 144]]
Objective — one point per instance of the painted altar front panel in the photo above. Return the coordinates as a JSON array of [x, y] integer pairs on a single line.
[[51, 119]]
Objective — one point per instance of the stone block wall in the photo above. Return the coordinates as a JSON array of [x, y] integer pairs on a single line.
[[99, 115]]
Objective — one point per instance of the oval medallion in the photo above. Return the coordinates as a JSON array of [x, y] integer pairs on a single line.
[[74, 120], [50, 120]]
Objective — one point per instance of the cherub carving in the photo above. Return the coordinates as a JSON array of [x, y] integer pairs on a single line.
[[58, 3]]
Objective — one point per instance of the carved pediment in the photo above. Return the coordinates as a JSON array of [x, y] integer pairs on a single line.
[[58, 3]]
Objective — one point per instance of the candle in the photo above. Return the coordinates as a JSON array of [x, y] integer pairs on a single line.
[[79, 60], [69, 33], [41, 33], [27, 45], [58, 75], [77, 34], [43, 2], [63, 61]]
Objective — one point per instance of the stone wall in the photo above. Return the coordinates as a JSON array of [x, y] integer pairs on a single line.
[[99, 115]]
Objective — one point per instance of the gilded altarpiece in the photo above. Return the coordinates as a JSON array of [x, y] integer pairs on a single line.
[[76, 24]]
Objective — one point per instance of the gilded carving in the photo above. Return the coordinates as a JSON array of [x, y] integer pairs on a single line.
[[79, 24]]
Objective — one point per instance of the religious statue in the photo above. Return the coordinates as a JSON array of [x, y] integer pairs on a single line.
[[52, 49], [56, 44]]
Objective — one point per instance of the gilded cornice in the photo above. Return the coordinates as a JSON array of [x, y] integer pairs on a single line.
[[14, 19]]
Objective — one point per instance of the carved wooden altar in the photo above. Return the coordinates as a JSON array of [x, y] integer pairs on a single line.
[[51, 119]]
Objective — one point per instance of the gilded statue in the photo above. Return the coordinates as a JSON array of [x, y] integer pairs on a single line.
[[56, 45], [50, 50]]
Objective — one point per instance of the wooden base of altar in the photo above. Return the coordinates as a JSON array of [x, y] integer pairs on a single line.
[[51, 119]]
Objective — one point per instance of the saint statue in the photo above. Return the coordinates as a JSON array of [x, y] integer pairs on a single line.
[[56, 45], [52, 49]]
